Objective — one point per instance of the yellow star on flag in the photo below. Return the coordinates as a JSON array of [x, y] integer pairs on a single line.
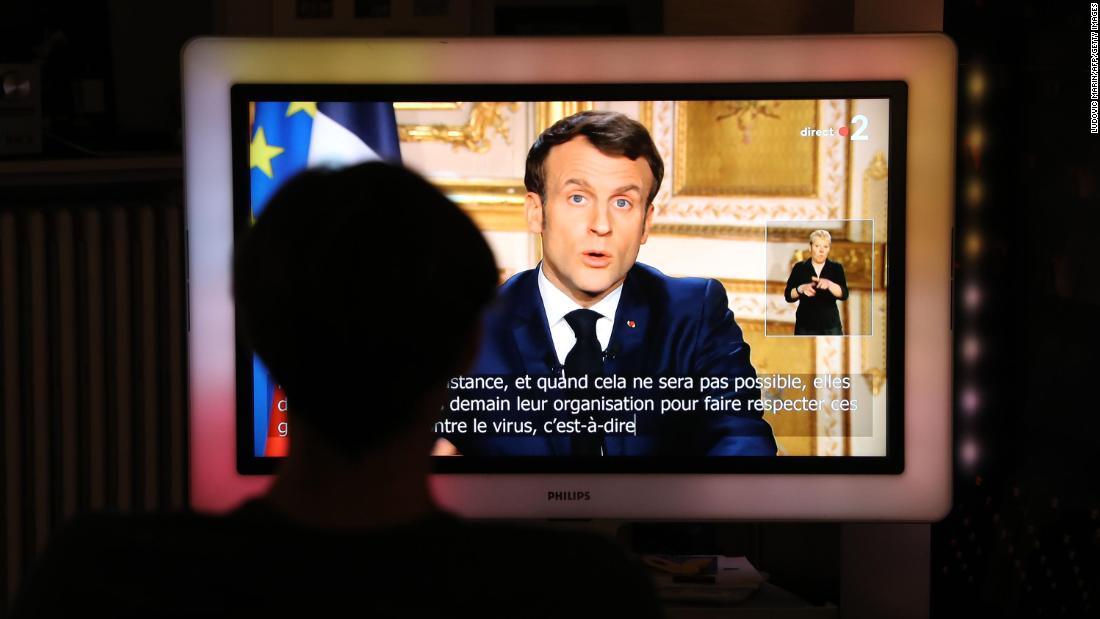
[[260, 153], [309, 107]]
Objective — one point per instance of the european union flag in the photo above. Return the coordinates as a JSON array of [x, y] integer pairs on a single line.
[[288, 137]]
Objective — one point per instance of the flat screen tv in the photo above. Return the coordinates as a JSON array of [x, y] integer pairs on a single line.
[[779, 349]]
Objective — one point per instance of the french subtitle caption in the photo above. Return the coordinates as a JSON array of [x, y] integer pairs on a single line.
[[618, 405]]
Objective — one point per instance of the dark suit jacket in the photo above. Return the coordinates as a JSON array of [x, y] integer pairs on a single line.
[[664, 326], [818, 314]]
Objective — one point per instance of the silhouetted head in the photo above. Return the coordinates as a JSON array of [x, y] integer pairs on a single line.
[[361, 289]]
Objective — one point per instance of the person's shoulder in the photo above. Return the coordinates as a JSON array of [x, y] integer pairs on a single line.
[[678, 294], [490, 536], [516, 294], [111, 527], [583, 563], [518, 283], [170, 533], [515, 297], [651, 277], [91, 556], [570, 554]]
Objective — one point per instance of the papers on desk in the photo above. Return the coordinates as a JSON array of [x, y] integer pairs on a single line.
[[711, 579]]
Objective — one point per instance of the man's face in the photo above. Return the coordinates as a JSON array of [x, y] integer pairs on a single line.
[[820, 250], [595, 218]]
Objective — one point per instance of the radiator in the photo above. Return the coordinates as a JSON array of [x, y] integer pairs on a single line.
[[93, 357]]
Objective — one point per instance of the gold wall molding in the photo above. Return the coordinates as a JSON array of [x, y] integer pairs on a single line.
[[485, 117], [752, 299], [866, 316], [877, 170], [873, 353], [775, 234], [494, 204], [876, 194], [862, 262], [473, 195], [745, 113], [496, 217], [795, 432], [716, 155], [878, 379], [738, 212], [740, 286], [645, 114], [426, 105], [758, 305], [550, 112], [774, 328], [832, 429], [482, 190]]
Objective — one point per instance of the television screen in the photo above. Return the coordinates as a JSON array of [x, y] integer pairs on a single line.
[[710, 280], [725, 264]]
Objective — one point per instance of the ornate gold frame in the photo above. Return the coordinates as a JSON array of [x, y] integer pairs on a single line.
[[859, 259], [426, 105], [878, 170], [751, 286], [678, 214], [493, 204], [474, 135], [744, 115], [550, 112]]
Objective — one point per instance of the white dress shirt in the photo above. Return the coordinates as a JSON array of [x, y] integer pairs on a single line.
[[558, 304]]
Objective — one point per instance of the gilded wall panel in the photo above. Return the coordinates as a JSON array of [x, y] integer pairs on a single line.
[[740, 165], [795, 432], [745, 148]]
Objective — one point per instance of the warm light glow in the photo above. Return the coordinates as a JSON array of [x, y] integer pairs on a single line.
[[970, 400], [973, 244], [974, 192], [975, 138], [976, 84], [972, 297], [969, 452], [971, 348]]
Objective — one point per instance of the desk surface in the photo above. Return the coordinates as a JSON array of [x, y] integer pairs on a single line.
[[768, 602]]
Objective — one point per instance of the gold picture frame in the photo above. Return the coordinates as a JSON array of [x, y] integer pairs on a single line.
[[485, 118]]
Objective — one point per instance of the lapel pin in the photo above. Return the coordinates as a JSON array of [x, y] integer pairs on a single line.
[[631, 324]]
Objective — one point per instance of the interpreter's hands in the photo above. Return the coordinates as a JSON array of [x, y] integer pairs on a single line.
[[822, 283], [807, 290]]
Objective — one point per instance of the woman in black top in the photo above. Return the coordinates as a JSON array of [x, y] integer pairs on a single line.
[[817, 283]]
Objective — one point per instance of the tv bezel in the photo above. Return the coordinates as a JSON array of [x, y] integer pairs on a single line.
[[927, 63]]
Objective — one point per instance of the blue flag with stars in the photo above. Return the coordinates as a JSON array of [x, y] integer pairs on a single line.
[[288, 137]]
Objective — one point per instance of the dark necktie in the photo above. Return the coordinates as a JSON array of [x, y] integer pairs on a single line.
[[585, 359]]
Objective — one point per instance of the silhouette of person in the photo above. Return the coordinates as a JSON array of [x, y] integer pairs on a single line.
[[361, 290]]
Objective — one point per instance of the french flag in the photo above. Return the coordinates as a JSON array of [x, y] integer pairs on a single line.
[[288, 137]]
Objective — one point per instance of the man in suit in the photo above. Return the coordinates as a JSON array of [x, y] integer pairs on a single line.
[[589, 309]]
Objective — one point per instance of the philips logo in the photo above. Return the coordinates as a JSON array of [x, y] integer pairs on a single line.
[[575, 495]]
